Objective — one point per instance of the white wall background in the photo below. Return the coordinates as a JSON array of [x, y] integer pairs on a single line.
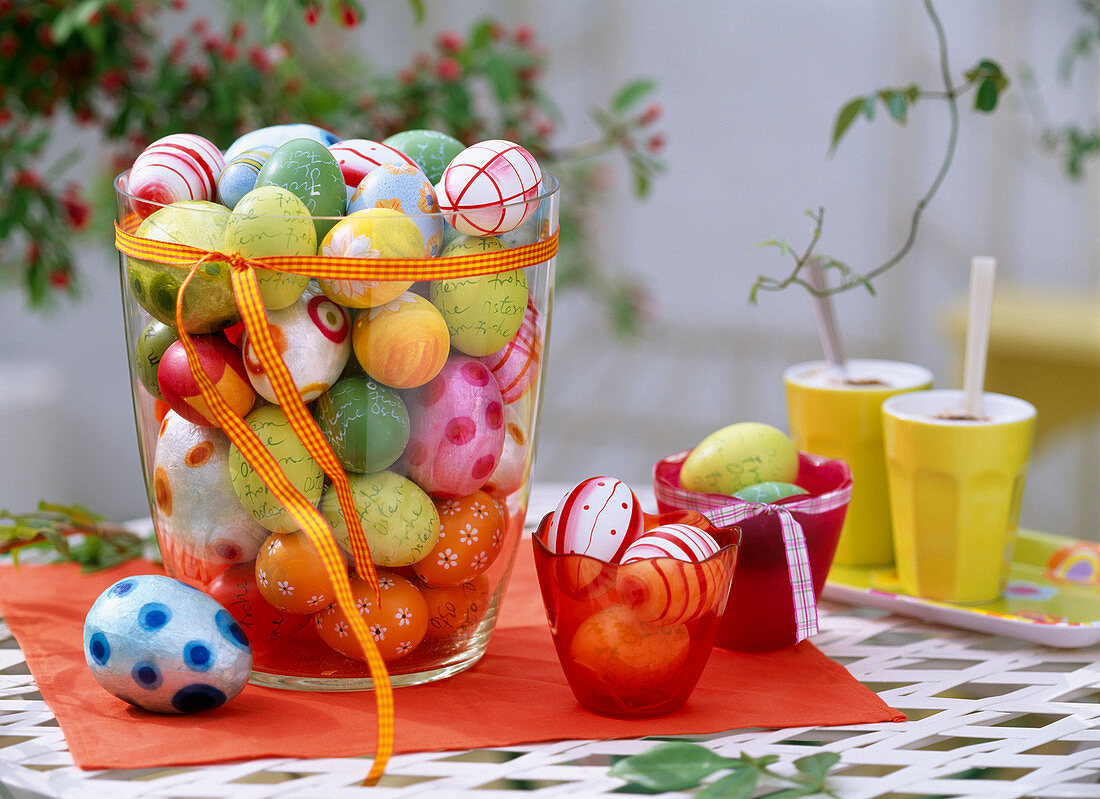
[[749, 91]]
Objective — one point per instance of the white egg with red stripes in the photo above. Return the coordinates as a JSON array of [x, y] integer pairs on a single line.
[[600, 517], [358, 157], [181, 166], [490, 188], [680, 541]]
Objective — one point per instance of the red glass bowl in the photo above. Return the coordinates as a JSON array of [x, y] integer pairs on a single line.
[[760, 615], [633, 639]]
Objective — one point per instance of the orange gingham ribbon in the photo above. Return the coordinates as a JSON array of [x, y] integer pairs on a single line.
[[250, 304]]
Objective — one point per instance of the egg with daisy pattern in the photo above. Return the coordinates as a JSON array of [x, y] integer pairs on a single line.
[[397, 618]]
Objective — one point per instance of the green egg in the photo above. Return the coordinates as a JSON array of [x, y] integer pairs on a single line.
[[366, 423], [148, 350], [311, 172], [482, 313], [270, 424], [208, 303], [431, 150], [737, 456], [269, 221], [769, 491], [399, 520]]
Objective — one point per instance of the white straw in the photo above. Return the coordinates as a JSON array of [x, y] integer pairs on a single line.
[[824, 320], [979, 315]]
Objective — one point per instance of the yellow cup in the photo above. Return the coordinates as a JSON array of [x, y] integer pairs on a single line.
[[844, 420], [955, 491]]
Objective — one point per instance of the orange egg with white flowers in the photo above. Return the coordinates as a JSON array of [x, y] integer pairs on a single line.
[[290, 574], [397, 618], [470, 538]]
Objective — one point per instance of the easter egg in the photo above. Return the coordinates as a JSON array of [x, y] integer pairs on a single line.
[[485, 312], [471, 536], [366, 423], [271, 220], [399, 521], [600, 517], [312, 337], [397, 618], [515, 459], [671, 591], [622, 651], [429, 149], [239, 175], [181, 166], [149, 348], [403, 188], [291, 576], [740, 455], [357, 157], [235, 589], [221, 362], [274, 136], [194, 500], [457, 430], [516, 365], [371, 233], [679, 541], [456, 609], [208, 303], [309, 171], [164, 646], [490, 188], [769, 492], [273, 429], [403, 343]]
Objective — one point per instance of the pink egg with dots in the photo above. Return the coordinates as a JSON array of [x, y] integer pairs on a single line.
[[516, 365], [458, 429], [679, 541], [600, 518], [181, 166], [490, 188]]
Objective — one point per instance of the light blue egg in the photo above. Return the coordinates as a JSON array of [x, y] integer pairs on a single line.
[[239, 176], [164, 646], [277, 135], [406, 189]]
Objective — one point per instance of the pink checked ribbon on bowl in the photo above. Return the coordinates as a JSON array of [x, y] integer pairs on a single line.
[[723, 513]]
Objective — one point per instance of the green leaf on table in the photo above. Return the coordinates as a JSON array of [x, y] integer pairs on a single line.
[[844, 120], [631, 93], [671, 766], [818, 765], [738, 785]]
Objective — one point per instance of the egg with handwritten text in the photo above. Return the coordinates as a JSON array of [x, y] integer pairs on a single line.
[[456, 609], [516, 364], [308, 170], [737, 456], [236, 590], [366, 423]]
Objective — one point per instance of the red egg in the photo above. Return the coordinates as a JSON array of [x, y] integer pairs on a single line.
[[618, 649], [357, 157], [221, 362]]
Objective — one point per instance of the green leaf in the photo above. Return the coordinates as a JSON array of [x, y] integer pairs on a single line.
[[738, 785], [670, 766], [817, 765], [418, 10], [986, 98], [503, 78], [273, 14], [631, 93], [896, 104], [844, 120], [790, 793], [757, 762], [869, 106], [70, 19]]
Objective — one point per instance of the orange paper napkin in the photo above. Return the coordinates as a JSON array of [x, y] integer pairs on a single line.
[[517, 693]]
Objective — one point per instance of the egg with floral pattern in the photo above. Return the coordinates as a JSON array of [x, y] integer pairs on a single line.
[[291, 576], [370, 233], [471, 536], [403, 188], [397, 618]]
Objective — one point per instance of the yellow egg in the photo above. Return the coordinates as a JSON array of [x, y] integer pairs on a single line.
[[373, 233], [740, 455], [403, 343]]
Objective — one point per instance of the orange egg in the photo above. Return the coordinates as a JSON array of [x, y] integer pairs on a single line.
[[398, 621], [290, 575], [470, 538], [402, 343], [619, 650], [456, 609]]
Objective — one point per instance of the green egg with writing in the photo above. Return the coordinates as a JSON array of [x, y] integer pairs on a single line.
[[769, 491], [208, 303], [366, 423], [270, 424], [399, 520], [311, 172], [482, 313], [155, 338], [737, 456], [430, 149], [270, 221]]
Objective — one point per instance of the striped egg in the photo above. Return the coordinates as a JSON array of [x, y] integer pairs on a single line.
[[181, 166], [679, 541], [357, 157], [516, 365], [239, 176], [485, 187], [669, 591], [600, 518]]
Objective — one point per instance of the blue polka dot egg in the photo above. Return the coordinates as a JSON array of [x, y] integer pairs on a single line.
[[167, 647]]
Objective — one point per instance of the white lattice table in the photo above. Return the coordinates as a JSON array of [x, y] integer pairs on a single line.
[[988, 717]]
